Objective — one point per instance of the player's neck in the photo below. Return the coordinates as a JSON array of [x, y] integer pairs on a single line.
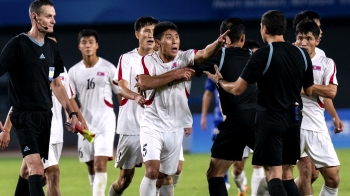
[[312, 54], [144, 51], [165, 58], [90, 61], [275, 38], [235, 45], [36, 35]]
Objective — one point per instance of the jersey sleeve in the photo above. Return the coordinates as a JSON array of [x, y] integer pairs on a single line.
[[8, 56], [308, 78], [148, 65], [188, 57], [209, 85], [123, 69], [72, 85], [58, 60], [254, 69], [330, 73], [111, 76]]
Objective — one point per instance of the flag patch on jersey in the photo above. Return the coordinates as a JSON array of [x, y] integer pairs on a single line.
[[100, 73], [315, 67], [174, 65]]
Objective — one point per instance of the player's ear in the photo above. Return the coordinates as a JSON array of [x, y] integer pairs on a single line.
[[137, 34], [97, 45], [242, 39], [318, 40]]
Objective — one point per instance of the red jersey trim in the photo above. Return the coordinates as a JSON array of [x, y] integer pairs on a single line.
[[123, 102], [115, 83], [150, 101], [71, 91], [187, 93], [145, 70], [195, 51], [108, 104], [331, 80], [320, 102]]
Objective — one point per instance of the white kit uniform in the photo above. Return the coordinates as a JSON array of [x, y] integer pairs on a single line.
[[166, 113], [94, 88], [315, 140], [56, 135], [128, 153]]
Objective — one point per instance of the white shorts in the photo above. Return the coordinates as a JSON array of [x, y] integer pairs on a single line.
[[55, 151], [319, 147], [128, 153], [163, 146], [246, 152], [102, 146]]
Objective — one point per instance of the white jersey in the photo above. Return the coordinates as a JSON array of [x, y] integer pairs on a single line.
[[94, 87], [166, 108], [56, 135], [320, 52], [129, 116], [324, 71]]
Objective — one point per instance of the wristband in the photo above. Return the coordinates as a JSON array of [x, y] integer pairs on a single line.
[[218, 82], [73, 113]]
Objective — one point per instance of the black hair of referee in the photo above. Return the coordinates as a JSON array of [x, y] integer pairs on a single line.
[[34, 63], [280, 70]]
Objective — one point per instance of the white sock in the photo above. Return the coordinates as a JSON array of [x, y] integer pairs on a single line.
[[258, 174], [176, 179], [157, 191], [112, 192], [263, 188], [100, 183], [239, 181], [326, 191], [91, 180], [167, 190], [148, 187]]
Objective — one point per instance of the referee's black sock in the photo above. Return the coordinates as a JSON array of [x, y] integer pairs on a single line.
[[291, 187], [276, 187], [22, 188], [217, 186], [35, 185]]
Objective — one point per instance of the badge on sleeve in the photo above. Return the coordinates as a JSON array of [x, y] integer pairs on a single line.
[[51, 72]]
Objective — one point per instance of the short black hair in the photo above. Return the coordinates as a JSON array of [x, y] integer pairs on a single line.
[[275, 22], [236, 27], [36, 5], [87, 33], [305, 15], [250, 44], [161, 27], [306, 26], [144, 21]]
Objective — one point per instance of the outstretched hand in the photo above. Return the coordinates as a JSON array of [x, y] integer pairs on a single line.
[[4, 137], [222, 39], [214, 77]]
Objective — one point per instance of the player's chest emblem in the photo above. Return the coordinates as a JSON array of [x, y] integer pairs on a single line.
[[317, 68], [100, 73], [174, 65]]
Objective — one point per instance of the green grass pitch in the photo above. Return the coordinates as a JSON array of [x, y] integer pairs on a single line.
[[74, 177]]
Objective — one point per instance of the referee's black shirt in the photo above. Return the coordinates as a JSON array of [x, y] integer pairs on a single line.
[[280, 86], [233, 61], [28, 64]]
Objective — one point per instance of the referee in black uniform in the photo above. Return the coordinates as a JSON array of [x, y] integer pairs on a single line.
[[237, 131], [280, 70], [34, 63]]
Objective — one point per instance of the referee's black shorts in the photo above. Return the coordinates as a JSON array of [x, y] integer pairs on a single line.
[[235, 133], [277, 139], [32, 129]]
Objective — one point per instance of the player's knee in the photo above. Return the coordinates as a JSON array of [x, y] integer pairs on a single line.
[[314, 175], [168, 180], [151, 173], [52, 174], [24, 173], [332, 181]]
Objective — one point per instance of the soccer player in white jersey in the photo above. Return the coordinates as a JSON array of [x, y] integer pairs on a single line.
[[166, 112], [92, 80], [305, 166], [128, 155], [314, 137]]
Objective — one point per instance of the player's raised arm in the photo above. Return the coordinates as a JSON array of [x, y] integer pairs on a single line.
[[211, 49]]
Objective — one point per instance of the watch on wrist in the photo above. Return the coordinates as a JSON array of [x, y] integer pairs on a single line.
[[218, 82], [73, 113]]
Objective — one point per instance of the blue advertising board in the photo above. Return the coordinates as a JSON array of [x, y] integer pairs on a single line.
[[15, 12]]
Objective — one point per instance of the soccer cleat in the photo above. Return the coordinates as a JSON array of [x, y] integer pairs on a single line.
[[245, 192]]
